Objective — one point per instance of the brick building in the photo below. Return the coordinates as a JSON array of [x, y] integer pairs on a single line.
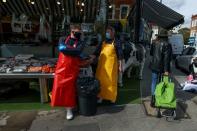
[[119, 9], [194, 26]]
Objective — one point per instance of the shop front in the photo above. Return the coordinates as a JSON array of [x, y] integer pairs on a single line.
[[30, 31]]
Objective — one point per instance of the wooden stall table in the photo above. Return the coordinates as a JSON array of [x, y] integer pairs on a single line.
[[42, 81]]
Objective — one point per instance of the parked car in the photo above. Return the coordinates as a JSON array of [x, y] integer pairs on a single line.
[[185, 60]]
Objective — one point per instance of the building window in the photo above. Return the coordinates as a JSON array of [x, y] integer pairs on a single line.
[[196, 22], [192, 23], [124, 11], [111, 12], [191, 33]]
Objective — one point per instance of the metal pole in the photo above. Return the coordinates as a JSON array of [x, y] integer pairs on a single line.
[[137, 21], [159, 28], [107, 9], [1, 28], [52, 5], [1, 32]]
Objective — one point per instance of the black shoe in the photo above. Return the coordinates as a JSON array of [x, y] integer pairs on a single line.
[[152, 104]]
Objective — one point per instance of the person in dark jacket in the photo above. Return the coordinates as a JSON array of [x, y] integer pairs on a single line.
[[193, 68], [161, 52]]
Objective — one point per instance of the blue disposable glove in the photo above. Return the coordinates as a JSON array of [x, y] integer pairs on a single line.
[[62, 47]]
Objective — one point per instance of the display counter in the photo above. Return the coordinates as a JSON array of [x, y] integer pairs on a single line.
[[29, 67], [42, 77]]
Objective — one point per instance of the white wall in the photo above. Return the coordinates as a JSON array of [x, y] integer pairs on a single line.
[[155, 30]]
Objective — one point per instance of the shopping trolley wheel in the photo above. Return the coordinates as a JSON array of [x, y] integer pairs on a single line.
[[158, 113], [174, 115]]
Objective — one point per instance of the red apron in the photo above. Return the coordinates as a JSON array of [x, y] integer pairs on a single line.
[[64, 85]]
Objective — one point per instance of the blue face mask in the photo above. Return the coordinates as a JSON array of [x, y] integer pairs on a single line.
[[108, 36]]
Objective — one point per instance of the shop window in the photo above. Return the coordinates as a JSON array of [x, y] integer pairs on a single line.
[[124, 11]]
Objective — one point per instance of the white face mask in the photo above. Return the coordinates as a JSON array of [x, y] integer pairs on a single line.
[[108, 36]]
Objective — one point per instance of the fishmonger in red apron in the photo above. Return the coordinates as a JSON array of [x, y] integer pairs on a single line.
[[66, 73]]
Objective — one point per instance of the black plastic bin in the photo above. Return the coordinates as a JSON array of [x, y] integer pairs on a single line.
[[87, 89]]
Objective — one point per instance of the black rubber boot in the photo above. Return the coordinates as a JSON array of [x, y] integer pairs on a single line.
[[152, 104]]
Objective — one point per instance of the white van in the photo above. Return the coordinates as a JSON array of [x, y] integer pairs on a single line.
[[177, 42]]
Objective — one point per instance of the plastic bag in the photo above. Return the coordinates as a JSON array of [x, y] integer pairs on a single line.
[[165, 94], [88, 86]]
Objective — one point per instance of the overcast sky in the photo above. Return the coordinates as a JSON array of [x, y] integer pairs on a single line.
[[184, 7]]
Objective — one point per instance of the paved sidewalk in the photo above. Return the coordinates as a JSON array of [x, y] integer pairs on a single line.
[[112, 118], [186, 99], [121, 118], [109, 118], [117, 118]]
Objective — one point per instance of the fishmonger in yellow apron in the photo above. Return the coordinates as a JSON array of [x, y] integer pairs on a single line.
[[107, 72]]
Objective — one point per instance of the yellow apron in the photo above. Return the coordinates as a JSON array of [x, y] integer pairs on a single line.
[[107, 72]]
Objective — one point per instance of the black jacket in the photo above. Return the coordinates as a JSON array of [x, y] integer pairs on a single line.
[[161, 53], [70, 51], [118, 48]]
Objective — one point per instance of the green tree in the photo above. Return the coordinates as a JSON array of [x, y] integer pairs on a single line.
[[186, 34]]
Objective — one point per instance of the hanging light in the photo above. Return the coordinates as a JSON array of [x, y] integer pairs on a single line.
[[81, 10], [58, 3], [110, 6], [78, 3], [82, 4], [63, 9], [4, 1], [32, 2]]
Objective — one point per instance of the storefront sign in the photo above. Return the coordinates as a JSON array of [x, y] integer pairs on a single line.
[[87, 27], [17, 26]]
